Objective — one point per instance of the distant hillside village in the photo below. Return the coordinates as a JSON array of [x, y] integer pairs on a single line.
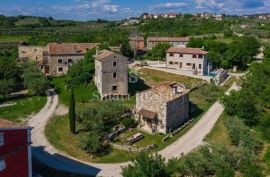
[[205, 15]]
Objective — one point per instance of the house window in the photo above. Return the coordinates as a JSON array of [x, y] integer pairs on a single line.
[[176, 63], [1, 139], [180, 55], [180, 65], [60, 69], [114, 88], [70, 61], [114, 63], [200, 66], [194, 56], [114, 75], [171, 54], [193, 66], [60, 61], [200, 56], [2, 164], [170, 62], [188, 64]]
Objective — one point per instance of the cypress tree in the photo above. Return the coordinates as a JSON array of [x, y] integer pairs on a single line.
[[72, 114]]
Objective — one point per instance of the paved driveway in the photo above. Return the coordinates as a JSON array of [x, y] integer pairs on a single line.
[[44, 152]]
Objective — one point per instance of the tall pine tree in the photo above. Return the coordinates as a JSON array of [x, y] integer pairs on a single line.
[[72, 114]]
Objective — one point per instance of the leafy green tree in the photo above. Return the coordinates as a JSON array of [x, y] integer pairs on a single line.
[[146, 166], [93, 144], [159, 51], [82, 72], [34, 79], [72, 113], [126, 49]]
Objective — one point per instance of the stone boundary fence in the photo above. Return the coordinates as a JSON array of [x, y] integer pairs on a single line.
[[131, 148]]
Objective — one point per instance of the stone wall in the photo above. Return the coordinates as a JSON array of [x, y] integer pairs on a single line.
[[152, 102], [109, 76], [177, 112], [62, 62], [31, 52]]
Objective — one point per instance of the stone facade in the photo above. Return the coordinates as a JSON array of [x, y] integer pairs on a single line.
[[111, 74], [188, 59], [55, 58], [170, 103], [34, 53]]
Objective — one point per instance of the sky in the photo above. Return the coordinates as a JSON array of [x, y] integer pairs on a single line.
[[119, 9]]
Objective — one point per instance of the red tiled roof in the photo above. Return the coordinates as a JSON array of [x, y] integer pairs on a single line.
[[70, 48], [172, 14], [103, 54], [186, 50], [168, 39]]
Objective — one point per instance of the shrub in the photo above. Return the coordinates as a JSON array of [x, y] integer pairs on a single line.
[[129, 122]]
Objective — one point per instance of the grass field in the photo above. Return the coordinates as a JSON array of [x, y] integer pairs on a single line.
[[14, 38], [83, 93], [219, 133], [225, 40], [23, 107], [59, 135], [154, 77]]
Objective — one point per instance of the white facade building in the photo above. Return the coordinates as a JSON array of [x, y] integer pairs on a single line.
[[188, 59]]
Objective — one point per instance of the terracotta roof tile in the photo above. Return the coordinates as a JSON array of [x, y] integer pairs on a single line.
[[103, 54], [168, 39], [186, 50], [70, 48]]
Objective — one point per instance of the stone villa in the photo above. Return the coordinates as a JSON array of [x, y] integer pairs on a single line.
[[111, 74], [188, 59], [162, 108], [55, 58]]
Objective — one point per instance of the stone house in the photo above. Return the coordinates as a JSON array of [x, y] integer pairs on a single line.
[[162, 108], [55, 58], [62, 55], [188, 59], [111, 74], [34, 53], [174, 41]]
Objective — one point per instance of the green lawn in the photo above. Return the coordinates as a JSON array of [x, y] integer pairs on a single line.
[[58, 133], [154, 77], [224, 40], [83, 93], [13, 38], [23, 107], [219, 134]]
